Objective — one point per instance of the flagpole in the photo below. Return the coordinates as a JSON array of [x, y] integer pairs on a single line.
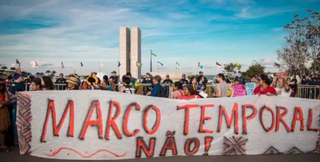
[[150, 60]]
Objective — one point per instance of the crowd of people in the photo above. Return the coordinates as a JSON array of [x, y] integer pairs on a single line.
[[183, 89]]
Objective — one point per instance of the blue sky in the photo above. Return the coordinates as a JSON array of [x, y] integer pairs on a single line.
[[187, 31]]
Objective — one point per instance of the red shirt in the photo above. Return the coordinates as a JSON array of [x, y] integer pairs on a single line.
[[188, 98], [269, 89]]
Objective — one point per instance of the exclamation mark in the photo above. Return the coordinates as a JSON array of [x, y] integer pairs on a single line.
[[208, 141]]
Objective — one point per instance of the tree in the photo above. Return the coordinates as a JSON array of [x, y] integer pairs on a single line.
[[313, 38], [229, 68], [254, 70]]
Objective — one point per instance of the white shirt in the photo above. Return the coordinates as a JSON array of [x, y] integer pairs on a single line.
[[282, 92]]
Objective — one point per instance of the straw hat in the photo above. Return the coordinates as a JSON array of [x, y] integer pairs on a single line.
[[73, 80]]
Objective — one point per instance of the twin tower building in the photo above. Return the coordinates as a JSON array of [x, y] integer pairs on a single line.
[[130, 51]]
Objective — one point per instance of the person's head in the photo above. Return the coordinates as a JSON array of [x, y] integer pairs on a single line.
[[104, 84], [254, 79], [295, 81], [114, 73], [126, 80], [236, 82], [281, 82], [129, 75], [188, 90], [105, 78], [264, 80], [31, 77], [308, 77], [288, 80], [177, 86], [18, 78], [183, 76], [239, 74], [48, 84], [36, 84], [193, 80], [61, 75], [156, 79], [167, 76], [94, 74], [111, 81], [221, 78], [148, 76], [73, 83], [200, 73], [84, 85], [201, 78]]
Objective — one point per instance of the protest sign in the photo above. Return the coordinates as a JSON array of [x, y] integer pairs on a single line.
[[238, 90], [250, 86], [109, 125]]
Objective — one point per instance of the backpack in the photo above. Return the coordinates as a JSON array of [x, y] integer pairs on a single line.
[[162, 93]]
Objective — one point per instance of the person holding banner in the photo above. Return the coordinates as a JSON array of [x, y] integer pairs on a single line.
[[4, 115], [283, 89], [177, 90], [189, 93], [223, 87], [127, 87], [73, 83], [36, 84], [264, 87]]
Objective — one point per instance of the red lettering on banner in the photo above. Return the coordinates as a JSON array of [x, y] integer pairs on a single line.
[[203, 118], [207, 142], [187, 116], [88, 122], [246, 118], [51, 109], [310, 119], [188, 150], [141, 144], [169, 144], [272, 121], [111, 121], [298, 116], [145, 119], [234, 117], [280, 118], [126, 120]]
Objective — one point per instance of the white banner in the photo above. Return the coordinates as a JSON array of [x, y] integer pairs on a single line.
[[109, 125]]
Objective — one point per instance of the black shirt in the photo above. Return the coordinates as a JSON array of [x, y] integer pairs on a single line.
[[184, 81], [167, 81]]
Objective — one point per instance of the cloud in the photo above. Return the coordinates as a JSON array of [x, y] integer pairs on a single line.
[[259, 12], [46, 64]]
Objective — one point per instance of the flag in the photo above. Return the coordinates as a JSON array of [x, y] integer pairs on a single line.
[[198, 64], [238, 65], [119, 64], [17, 61], [36, 64], [101, 64], [62, 65], [160, 64], [178, 65], [276, 65], [138, 64], [218, 65], [152, 54], [201, 66], [81, 64]]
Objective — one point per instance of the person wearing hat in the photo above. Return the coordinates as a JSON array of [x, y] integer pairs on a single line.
[[184, 80], [4, 115], [205, 80], [73, 83], [61, 82]]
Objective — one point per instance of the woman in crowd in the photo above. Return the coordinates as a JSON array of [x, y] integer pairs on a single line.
[[36, 84], [127, 88], [104, 86], [177, 90], [47, 83], [112, 84], [238, 89], [264, 87], [189, 93], [4, 115], [294, 87], [73, 83], [84, 86], [283, 89], [193, 81]]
